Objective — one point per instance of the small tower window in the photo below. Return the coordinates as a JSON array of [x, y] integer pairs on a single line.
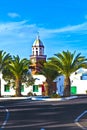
[[40, 52], [36, 53]]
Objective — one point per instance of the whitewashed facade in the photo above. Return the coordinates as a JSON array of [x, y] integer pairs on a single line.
[[78, 82], [34, 89]]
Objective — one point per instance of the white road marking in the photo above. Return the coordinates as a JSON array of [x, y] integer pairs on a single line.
[[79, 125], [6, 118], [42, 129], [78, 118]]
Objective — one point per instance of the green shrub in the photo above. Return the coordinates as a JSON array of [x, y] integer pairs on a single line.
[[86, 91], [30, 94], [34, 94], [55, 96]]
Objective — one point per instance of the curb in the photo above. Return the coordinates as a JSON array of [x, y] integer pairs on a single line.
[[53, 99], [39, 98]]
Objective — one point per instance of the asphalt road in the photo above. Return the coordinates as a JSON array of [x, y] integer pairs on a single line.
[[42, 115]]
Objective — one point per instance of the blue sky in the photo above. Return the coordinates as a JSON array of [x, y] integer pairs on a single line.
[[62, 25]]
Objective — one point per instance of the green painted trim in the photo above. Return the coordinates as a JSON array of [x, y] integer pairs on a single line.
[[6, 88], [35, 88], [22, 88], [73, 90]]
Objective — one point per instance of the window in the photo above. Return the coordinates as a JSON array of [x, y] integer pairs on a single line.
[[84, 76], [7, 88], [40, 52], [22, 88], [36, 53], [73, 89], [81, 77], [75, 73], [35, 88]]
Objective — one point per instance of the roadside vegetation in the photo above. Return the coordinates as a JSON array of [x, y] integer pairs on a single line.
[[50, 74], [16, 70], [5, 59], [66, 63]]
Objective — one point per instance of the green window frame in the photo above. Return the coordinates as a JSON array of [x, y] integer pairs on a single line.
[[35, 88], [73, 89], [22, 88], [6, 88]]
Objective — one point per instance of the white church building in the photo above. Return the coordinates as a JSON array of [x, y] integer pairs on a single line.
[[38, 87], [78, 78]]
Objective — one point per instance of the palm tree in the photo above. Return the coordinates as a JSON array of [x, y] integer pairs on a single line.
[[50, 74], [66, 63], [18, 68], [4, 61]]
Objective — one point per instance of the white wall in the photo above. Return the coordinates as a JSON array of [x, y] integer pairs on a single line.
[[76, 81], [39, 81], [81, 86], [60, 85]]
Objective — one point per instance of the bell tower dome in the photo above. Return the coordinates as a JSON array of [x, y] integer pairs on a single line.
[[38, 47], [37, 54]]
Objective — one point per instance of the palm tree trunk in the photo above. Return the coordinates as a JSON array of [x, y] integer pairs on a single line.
[[18, 88], [0, 87], [67, 86], [46, 88], [50, 88], [0, 82]]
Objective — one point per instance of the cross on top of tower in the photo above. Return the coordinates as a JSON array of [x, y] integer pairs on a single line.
[[38, 37], [38, 42]]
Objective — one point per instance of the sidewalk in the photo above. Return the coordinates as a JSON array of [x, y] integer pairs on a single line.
[[38, 98], [53, 99]]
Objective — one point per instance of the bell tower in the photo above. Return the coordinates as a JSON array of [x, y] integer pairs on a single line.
[[37, 55]]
